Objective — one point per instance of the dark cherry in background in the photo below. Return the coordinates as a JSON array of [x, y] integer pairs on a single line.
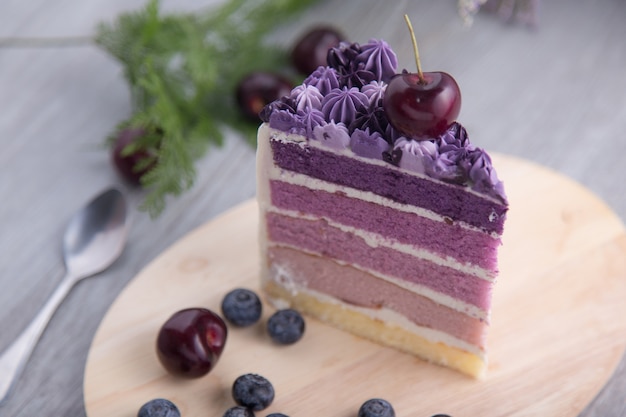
[[259, 89], [126, 164], [311, 49]]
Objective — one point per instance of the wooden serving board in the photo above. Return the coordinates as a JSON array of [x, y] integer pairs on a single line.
[[558, 323]]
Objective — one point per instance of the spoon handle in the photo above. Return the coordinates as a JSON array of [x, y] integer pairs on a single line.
[[14, 358]]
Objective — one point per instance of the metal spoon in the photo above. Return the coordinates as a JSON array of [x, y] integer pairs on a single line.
[[93, 240]]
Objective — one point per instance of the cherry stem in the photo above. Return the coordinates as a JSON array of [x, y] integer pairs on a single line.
[[420, 75]]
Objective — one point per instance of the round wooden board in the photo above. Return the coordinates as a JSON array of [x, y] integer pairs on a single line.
[[557, 329]]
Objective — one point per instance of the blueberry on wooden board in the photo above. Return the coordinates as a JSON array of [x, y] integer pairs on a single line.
[[159, 407], [286, 326], [376, 407], [238, 411], [242, 307], [253, 391]]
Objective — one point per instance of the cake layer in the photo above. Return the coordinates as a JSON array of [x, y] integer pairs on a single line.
[[318, 237], [302, 272], [360, 324], [470, 247], [453, 201]]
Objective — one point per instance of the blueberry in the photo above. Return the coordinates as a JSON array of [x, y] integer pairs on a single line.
[[158, 407], [253, 391], [241, 307], [285, 326], [441, 415], [277, 415], [239, 411], [376, 407]]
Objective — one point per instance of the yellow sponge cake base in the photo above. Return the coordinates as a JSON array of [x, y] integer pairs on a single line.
[[375, 330]]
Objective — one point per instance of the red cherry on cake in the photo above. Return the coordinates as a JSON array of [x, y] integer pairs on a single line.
[[421, 105], [422, 108], [191, 341]]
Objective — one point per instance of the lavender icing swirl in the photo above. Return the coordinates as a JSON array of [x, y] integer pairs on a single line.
[[310, 120], [374, 91], [454, 151], [416, 155], [306, 98], [334, 135], [342, 105], [351, 72], [286, 121], [368, 145], [324, 79], [373, 118], [482, 175], [300, 123], [342, 57], [454, 138], [378, 58]]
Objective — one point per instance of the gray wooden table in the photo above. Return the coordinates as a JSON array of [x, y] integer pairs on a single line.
[[555, 95]]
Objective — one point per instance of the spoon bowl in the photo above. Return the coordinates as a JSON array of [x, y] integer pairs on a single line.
[[95, 236], [93, 240]]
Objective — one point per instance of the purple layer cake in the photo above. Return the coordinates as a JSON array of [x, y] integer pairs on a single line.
[[384, 236]]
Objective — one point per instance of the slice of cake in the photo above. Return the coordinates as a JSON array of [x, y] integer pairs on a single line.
[[385, 235]]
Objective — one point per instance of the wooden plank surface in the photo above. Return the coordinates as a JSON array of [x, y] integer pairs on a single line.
[[553, 95], [553, 341]]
